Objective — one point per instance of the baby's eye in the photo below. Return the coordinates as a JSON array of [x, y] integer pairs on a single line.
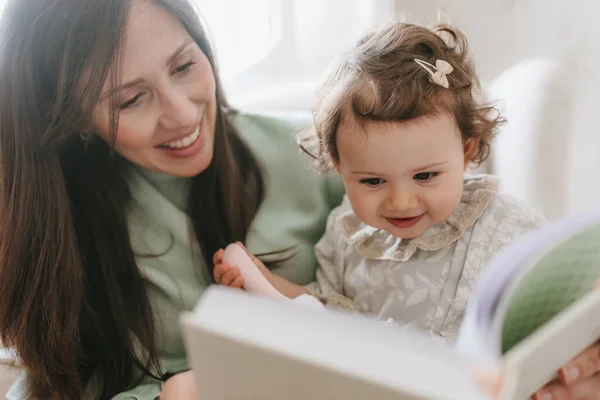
[[425, 176], [373, 182]]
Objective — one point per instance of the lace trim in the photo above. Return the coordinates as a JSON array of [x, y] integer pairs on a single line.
[[378, 244], [334, 300]]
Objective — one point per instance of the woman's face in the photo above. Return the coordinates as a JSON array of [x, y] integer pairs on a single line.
[[166, 97]]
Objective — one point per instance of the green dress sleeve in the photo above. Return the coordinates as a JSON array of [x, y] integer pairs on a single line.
[[298, 199], [147, 391]]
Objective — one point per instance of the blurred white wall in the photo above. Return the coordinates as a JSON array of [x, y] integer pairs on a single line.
[[274, 52], [504, 32]]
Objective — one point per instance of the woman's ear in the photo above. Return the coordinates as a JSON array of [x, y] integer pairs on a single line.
[[471, 147]]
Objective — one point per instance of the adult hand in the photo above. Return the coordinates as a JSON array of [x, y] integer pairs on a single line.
[[579, 380]]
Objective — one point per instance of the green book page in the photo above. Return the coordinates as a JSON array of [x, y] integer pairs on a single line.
[[559, 279]]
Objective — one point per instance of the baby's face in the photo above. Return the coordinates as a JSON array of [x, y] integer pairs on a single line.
[[402, 177]]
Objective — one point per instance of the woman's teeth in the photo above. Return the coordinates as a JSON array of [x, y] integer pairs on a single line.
[[183, 143]]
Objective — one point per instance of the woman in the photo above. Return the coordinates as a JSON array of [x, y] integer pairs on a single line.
[[100, 249], [123, 170]]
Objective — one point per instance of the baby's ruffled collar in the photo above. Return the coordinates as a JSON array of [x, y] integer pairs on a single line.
[[378, 244]]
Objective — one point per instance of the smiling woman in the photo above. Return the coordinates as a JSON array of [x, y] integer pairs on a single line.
[[124, 169], [167, 109]]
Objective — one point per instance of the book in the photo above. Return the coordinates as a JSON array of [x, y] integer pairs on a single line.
[[533, 310]]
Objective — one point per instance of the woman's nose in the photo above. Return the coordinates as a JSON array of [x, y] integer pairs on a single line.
[[179, 110]]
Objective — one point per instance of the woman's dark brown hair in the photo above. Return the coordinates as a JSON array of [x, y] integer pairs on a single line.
[[74, 305], [379, 80]]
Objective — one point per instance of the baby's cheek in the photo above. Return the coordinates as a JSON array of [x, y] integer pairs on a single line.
[[445, 201], [365, 207]]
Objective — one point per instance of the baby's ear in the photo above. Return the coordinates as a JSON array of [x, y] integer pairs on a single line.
[[471, 148], [335, 164]]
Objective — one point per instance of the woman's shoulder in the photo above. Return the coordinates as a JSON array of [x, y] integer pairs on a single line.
[[271, 138], [281, 125]]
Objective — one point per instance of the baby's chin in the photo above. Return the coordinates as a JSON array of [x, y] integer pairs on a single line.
[[406, 236], [404, 233]]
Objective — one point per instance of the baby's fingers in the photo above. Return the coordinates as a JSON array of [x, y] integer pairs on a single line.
[[218, 256], [238, 282], [490, 381], [232, 276], [220, 270]]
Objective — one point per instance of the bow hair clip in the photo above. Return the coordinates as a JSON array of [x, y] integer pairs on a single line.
[[438, 72]]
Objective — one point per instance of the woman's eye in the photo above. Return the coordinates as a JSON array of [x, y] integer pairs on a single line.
[[372, 182], [132, 102], [425, 176], [184, 67]]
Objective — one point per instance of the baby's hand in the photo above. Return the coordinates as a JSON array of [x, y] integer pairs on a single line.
[[226, 274], [229, 275]]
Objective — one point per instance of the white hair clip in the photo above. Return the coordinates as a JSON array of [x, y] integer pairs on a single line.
[[442, 69]]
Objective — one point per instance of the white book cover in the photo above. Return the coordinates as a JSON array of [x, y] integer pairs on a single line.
[[533, 310]]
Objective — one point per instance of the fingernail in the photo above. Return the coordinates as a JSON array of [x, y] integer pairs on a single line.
[[543, 395], [572, 373]]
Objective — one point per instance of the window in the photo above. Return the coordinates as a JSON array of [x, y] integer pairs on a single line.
[[272, 53], [243, 32]]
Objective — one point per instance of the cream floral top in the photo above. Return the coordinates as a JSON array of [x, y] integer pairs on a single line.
[[423, 282]]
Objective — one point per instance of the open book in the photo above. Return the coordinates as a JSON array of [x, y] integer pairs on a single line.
[[533, 310]]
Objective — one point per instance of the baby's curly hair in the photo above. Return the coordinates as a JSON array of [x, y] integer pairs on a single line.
[[379, 80]]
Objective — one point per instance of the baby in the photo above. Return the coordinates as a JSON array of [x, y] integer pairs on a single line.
[[400, 120]]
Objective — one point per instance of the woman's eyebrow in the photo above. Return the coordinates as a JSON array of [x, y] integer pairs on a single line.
[[137, 81]]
